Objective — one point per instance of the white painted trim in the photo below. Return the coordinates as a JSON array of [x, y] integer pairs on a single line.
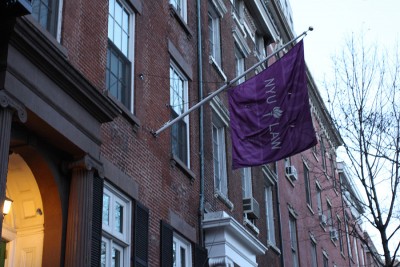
[[226, 238]]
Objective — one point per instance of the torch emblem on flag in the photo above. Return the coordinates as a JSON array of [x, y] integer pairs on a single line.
[[270, 114]]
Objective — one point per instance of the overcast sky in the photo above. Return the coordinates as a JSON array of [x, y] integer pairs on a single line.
[[333, 20]]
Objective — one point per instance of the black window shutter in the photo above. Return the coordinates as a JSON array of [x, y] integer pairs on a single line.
[[200, 256], [97, 220], [141, 235], [166, 245]]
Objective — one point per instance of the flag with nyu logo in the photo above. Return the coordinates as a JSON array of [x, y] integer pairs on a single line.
[[270, 113]]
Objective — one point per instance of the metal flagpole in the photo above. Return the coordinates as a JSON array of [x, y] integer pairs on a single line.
[[228, 84]]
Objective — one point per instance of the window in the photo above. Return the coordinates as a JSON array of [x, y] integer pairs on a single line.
[[307, 184], [325, 260], [333, 173], [179, 105], [346, 225], [356, 251], [116, 225], [260, 46], [246, 183], [319, 200], [46, 13], [293, 240], [180, 7], [314, 262], [182, 252], [340, 236], [238, 8], [239, 62], [323, 155], [219, 155], [214, 38], [269, 213], [120, 53], [330, 217]]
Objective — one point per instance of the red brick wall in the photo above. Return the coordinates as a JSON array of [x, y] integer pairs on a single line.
[[84, 35]]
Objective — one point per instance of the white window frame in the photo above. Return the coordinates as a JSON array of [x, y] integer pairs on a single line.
[[323, 154], [325, 259], [340, 235], [346, 225], [238, 10], [314, 260], [214, 35], [180, 243], [269, 213], [55, 17], [356, 251], [110, 236], [219, 154], [319, 199], [260, 46], [307, 184], [247, 191], [239, 64], [181, 8], [130, 47], [184, 96], [293, 240], [329, 213]]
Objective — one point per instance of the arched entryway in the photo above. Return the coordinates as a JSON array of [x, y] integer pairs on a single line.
[[23, 227]]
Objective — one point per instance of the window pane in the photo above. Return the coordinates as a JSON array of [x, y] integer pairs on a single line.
[[313, 255], [110, 27], [216, 158], [181, 252], [220, 174], [106, 209], [115, 257], [119, 216], [117, 37], [118, 14], [211, 33], [307, 184], [116, 241], [124, 48], [319, 201], [183, 257], [45, 12], [179, 131], [270, 215], [246, 183], [103, 258]]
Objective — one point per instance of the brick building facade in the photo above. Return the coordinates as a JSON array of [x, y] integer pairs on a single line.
[[84, 87]]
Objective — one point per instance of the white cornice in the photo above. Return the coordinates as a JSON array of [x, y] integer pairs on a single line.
[[226, 238]]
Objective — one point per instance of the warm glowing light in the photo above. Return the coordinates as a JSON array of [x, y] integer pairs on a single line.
[[7, 206]]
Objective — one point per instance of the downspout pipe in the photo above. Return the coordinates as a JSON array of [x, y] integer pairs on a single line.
[[201, 122]]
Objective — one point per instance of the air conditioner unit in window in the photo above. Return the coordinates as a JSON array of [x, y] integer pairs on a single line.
[[291, 172], [334, 234], [323, 219], [251, 208]]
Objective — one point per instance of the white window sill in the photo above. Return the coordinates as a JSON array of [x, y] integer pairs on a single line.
[[224, 199], [218, 68], [251, 226], [274, 247]]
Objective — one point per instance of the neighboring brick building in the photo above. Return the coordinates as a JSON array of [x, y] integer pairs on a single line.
[[85, 84]]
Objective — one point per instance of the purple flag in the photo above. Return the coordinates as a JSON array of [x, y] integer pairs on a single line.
[[270, 114]]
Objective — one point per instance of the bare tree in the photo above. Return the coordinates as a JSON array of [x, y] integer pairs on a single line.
[[364, 102]]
